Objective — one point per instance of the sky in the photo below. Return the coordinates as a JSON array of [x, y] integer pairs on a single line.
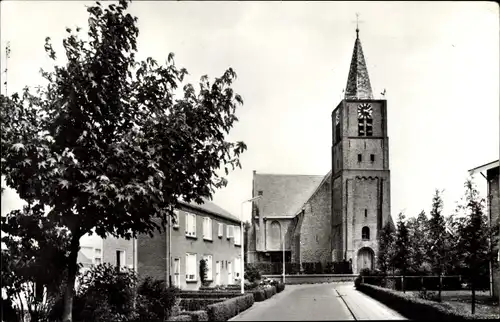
[[437, 61]]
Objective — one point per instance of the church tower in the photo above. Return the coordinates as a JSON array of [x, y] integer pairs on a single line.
[[360, 169]]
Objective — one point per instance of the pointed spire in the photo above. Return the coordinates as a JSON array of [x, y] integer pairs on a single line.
[[358, 81]]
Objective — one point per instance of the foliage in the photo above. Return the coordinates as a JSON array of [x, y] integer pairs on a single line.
[[33, 260], [252, 273], [203, 272], [401, 245], [155, 300], [386, 248], [104, 294], [106, 144], [414, 308], [418, 229], [437, 247], [199, 315], [225, 310], [473, 233]]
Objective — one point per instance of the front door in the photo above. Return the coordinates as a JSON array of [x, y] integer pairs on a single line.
[[365, 259], [229, 273], [177, 272], [217, 273]]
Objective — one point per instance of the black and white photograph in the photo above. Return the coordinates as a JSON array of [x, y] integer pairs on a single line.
[[249, 160]]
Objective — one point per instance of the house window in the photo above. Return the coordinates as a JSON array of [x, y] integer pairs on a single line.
[[191, 267], [221, 230], [360, 158], [237, 267], [208, 260], [365, 233], [372, 157], [120, 259], [229, 231], [177, 272], [97, 256], [190, 225], [175, 219], [237, 235], [207, 228]]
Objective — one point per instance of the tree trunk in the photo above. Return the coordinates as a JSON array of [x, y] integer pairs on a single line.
[[70, 284], [473, 300]]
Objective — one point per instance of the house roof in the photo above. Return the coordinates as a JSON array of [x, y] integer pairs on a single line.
[[283, 194], [485, 167], [211, 208], [82, 259]]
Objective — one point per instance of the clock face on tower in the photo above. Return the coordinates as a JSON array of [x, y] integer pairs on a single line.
[[364, 111]]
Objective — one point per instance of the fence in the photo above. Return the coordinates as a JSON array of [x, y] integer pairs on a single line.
[[304, 268], [416, 283]]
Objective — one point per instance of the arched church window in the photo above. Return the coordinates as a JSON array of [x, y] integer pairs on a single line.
[[365, 233], [365, 120], [275, 235]]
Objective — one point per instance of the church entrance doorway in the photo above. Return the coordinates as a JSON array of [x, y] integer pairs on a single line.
[[365, 258]]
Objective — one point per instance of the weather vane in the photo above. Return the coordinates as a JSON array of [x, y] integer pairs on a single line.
[[357, 23]]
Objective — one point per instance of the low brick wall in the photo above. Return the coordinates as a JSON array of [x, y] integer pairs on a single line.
[[313, 278]]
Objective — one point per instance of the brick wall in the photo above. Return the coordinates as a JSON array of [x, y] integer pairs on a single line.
[[315, 232], [111, 244]]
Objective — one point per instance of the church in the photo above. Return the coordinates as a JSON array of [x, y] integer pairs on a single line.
[[338, 216]]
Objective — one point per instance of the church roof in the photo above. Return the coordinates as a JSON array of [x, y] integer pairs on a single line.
[[358, 82], [283, 194]]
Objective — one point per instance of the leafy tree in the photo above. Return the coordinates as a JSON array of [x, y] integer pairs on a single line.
[[473, 232], [418, 236], [33, 260], [386, 248], [106, 144], [437, 238], [402, 246]]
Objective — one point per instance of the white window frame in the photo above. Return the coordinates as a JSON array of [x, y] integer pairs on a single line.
[[221, 229], [237, 267], [190, 225], [209, 261], [237, 235], [97, 256], [229, 231], [207, 228], [191, 272], [177, 272], [175, 224], [123, 259], [230, 273]]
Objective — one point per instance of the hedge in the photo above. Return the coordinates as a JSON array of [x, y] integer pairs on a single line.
[[280, 287], [197, 304], [182, 317], [270, 291], [227, 309], [207, 294], [416, 308], [258, 295], [199, 315]]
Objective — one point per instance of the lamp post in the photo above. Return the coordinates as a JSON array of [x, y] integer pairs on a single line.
[[283, 242], [242, 269]]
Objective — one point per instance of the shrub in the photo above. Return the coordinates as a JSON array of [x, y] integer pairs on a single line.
[[104, 294], [280, 287], [203, 272], [225, 310], [196, 304], [259, 295], [270, 291], [208, 294], [252, 273], [155, 300], [200, 315], [183, 317]]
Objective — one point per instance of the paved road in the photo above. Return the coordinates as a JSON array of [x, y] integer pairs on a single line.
[[329, 301]]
